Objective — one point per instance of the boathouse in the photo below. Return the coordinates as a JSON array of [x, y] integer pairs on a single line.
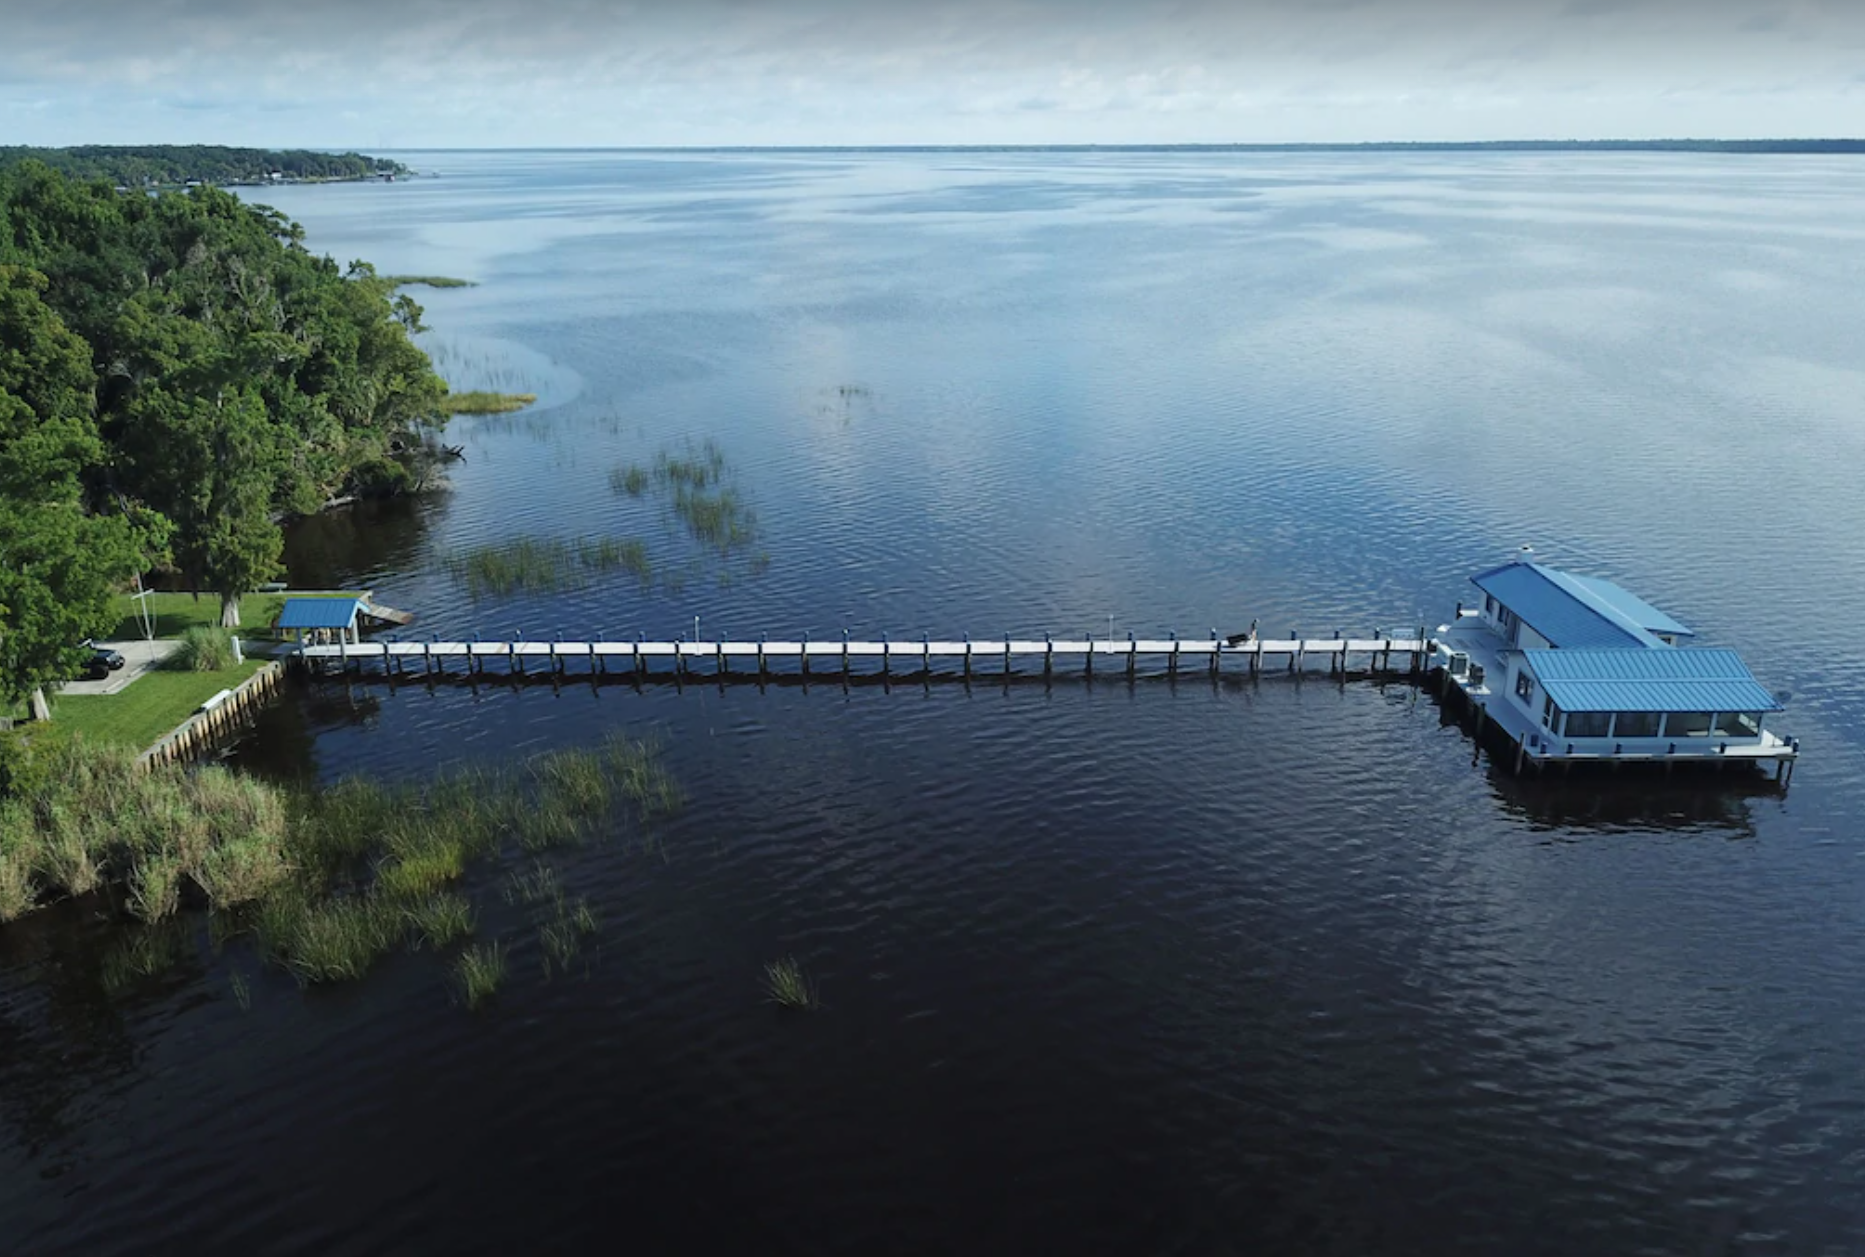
[[317, 620], [1575, 667]]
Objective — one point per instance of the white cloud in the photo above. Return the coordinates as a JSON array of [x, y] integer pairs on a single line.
[[471, 72]]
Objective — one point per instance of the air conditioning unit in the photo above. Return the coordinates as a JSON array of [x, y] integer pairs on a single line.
[[1460, 663], [1476, 674]]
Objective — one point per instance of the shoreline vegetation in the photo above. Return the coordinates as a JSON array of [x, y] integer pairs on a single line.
[[181, 165], [182, 374], [324, 882]]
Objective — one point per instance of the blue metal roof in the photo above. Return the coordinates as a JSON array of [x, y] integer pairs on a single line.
[[1625, 602], [1684, 678], [318, 613], [1562, 608]]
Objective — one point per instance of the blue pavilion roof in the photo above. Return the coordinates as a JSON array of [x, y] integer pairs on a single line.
[[1576, 612], [1685, 678], [318, 613]]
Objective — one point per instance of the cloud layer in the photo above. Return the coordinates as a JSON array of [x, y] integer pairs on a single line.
[[419, 73]]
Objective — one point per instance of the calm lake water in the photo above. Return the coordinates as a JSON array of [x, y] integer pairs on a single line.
[[1163, 968]]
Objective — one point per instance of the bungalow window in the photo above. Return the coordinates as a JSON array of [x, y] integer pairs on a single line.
[[1525, 688], [1635, 724], [1489, 605], [1588, 724], [1687, 724], [1550, 714], [1736, 724]]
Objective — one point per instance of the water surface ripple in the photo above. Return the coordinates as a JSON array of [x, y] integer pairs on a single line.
[[1172, 967]]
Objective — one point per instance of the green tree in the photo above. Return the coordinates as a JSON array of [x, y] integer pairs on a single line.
[[58, 562]]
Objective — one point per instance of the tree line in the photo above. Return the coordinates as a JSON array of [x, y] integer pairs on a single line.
[[155, 165], [178, 373]]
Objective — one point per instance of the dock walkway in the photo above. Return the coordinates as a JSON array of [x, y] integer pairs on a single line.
[[844, 656]]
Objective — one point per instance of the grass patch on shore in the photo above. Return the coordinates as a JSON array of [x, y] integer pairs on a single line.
[[175, 613], [542, 565], [154, 703], [481, 402], [430, 281]]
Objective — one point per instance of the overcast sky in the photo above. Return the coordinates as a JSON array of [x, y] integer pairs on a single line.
[[378, 74]]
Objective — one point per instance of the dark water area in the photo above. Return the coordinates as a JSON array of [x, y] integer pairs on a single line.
[[1172, 967]]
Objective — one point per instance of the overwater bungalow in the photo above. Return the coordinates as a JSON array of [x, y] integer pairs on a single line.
[[1574, 668]]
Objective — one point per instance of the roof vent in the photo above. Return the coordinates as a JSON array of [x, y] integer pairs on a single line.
[[1525, 555]]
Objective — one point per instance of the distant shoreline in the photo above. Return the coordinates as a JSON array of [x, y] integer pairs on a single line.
[[1785, 146]]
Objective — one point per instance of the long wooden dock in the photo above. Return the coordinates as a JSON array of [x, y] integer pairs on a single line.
[[845, 657]]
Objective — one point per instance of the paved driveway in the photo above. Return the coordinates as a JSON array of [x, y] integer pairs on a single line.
[[138, 658]]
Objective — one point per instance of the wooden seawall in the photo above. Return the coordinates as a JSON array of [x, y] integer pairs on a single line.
[[845, 657], [220, 718]]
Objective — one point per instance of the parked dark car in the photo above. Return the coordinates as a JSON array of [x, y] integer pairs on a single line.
[[102, 663]]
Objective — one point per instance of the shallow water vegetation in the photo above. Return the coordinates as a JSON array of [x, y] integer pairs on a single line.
[[479, 971], [328, 940], [440, 920], [428, 281], [632, 479], [483, 402], [786, 984], [535, 565], [329, 881], [144, 952]]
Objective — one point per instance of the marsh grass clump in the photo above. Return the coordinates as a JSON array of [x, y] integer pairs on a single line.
[[538, 565], [428, 281], [563, 933], [694, 483], [326, 881], [155, 887], [718, 519], [637, 775], [144, 952], [786, 985], [327, 940], [632, 479], [481, 402], [16, 883], [535, 885], [479, 971], [440, 919], [693, 468], [204, 648]]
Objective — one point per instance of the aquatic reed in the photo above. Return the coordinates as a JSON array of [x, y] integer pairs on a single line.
[[479, 972], [482, 402], [325, 940], [562, 934], [440, 919], [535, 565], [787, 985]]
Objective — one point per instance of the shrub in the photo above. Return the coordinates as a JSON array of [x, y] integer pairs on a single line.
[[205, 648]]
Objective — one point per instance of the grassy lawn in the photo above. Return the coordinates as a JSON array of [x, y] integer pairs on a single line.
[[154, 703], [175, 612]]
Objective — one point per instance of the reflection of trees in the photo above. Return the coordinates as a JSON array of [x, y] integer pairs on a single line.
[[282, 743], [333, 549], [78, 979]]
